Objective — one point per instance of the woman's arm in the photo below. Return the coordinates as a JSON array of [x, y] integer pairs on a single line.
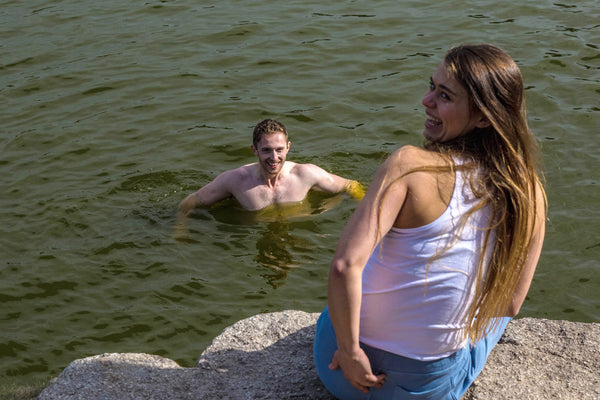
[[535, 249], [358, 240]]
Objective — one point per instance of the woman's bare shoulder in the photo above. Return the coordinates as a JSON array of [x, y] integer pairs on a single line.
[[411, 157]]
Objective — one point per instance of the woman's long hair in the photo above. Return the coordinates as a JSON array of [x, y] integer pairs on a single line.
[[505, 154]]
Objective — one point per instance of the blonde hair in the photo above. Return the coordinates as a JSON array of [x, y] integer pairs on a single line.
[[501, 162], [507, 153]]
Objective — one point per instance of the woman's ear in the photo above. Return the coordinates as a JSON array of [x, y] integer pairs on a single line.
[[483, 122]]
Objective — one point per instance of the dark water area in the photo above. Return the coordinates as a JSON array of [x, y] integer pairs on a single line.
[[113, 111]]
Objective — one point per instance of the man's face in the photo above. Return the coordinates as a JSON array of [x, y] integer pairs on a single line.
[[271, 151]]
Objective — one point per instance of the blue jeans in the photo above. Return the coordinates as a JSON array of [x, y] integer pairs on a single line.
[[406, 378]]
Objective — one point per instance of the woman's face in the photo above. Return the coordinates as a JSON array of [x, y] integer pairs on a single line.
[[447, 107]]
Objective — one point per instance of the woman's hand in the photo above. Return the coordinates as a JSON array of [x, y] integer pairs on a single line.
[[357, 370]]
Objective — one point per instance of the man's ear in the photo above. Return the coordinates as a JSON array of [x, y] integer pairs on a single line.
[[254, 150]]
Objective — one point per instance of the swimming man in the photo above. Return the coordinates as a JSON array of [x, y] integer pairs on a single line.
[[270, 180]]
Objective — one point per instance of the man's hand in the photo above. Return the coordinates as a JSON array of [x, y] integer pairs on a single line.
[[356, 190], [357, 369], [180, 232], [185, 208]]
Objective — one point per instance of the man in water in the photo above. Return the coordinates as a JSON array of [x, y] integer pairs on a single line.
[[271, 180]]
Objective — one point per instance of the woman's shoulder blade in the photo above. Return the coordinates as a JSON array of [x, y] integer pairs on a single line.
[[410, 157]]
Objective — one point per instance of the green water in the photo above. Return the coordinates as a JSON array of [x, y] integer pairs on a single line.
[[113, 111]]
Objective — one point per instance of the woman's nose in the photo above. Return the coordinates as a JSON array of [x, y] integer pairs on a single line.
[[428, 100]]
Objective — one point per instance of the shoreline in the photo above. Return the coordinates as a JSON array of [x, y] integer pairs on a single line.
[[270, 356]]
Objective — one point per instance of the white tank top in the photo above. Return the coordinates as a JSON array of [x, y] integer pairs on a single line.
[[414, 305]]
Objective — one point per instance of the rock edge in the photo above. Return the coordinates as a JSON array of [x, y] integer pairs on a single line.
[[269, 356]]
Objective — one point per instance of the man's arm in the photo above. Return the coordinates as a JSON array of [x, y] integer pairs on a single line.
[[331, 183], [218, 189]]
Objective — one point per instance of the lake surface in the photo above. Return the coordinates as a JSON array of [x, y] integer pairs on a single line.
[[113, 111]]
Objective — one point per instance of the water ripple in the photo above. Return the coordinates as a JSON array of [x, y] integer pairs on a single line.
[[114, 111]]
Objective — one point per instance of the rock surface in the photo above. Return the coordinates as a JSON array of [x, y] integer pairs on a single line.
[[269, 356]]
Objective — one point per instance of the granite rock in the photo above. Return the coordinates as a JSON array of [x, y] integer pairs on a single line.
[[269, 356]]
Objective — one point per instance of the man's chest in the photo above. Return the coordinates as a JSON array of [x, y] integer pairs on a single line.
[[261, 196]]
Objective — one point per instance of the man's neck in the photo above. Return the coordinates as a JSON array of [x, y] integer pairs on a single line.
[[271, 180]]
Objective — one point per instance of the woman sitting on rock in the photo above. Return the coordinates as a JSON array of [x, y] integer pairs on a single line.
[[440, 253]]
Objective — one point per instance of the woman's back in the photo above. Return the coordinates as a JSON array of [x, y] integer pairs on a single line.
[[427, 194], [418, 283]]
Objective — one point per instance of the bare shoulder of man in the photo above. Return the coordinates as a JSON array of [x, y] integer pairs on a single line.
[[309, 173], [321, 180], [221, 187]]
